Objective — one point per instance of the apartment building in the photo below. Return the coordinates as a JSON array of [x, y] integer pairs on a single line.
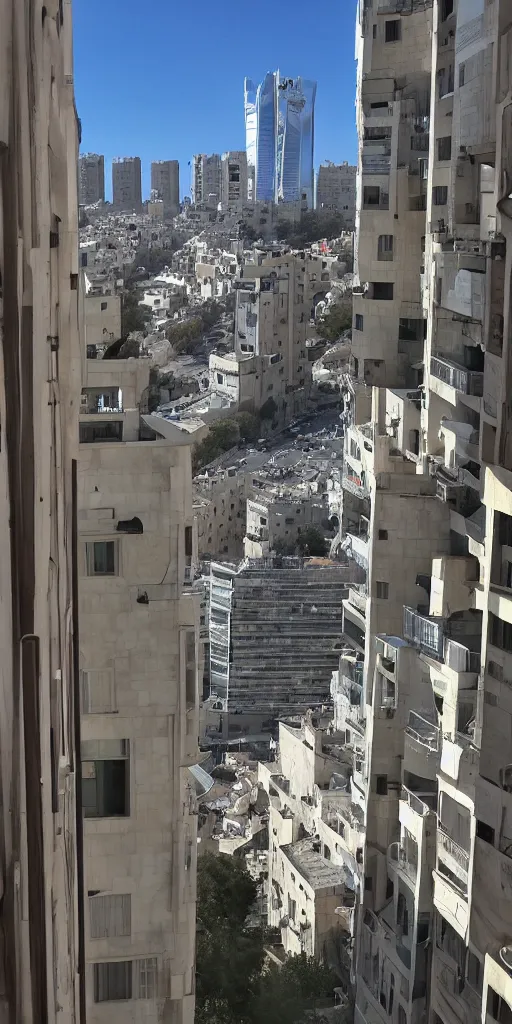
[[275, 299], [127, 184], [233, 177], [41, 958], [316, 835], [426, 506], [274, 633], [206, 180], [393, 104], [165, 183], [139, 701], [336, 191], [91, 179]]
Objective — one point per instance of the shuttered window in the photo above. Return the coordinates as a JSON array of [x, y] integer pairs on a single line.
[[112, 981], [110, 915], [97, 691]]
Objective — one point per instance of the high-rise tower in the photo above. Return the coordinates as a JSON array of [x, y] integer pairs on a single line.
[[126, 183], [165, 180], [91, 178], [279, 120]]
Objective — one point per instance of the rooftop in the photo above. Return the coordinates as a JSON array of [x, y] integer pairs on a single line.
[[315, 869]]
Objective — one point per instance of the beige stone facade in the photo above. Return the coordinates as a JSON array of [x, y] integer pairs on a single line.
[[41, 954], [139, 702]]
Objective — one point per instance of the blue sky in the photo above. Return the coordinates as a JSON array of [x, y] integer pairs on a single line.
[[164, 79]]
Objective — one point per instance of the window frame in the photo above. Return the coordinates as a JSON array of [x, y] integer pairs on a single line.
[[89, 557]]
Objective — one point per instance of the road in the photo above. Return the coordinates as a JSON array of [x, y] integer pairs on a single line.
[[285, 451]]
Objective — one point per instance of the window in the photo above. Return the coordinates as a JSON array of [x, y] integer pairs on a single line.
[[358, 321], [385, 247], [382, 290], [444, 148], [382, 590], [381, 785], [393, 31], [103, 306], [91, 352], [402, 914], [146, 977], [190, 668], [106, 778], [97, 691], [495, 670], [485, 832], [112, 981], [101, 557], [446, 9], [220, 378], [110, 915], [402, 1016], [474, 972], [292, 908], [383, 534], [500, 633], [462, 72], [89, 433], [371, 195], [440, 195]]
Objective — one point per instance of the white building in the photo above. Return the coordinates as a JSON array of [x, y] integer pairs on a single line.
[[127, 184], [206, 180]]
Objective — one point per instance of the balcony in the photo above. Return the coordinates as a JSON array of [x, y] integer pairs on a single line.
[[358, 596], [95, 401], [425, 632], [358, 550], [401, 863], [452, 860], [468, 382], [423, 731], [420, 803], [350, 481], [375, 163]]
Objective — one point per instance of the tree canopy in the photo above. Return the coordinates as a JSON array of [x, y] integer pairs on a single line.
[[337, 319], [234, 984], [313, 226], [223, 435], [311, 541], [133, 317]]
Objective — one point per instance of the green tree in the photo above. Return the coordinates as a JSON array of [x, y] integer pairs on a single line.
[[337, 319], [312, 227], [248, 425], [286, 993], [221, 436], [229, 957], [133, 317], [312, 542]]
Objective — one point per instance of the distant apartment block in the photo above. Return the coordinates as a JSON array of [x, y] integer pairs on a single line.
[[165, 183], [206, 180], [127, 184], [336, 191], [233, 177], [91, 179]]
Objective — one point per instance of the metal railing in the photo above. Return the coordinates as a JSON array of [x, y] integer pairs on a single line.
[[468, 382], [421, 805], [458, 864], [398, 860], [423, 731], [425, 632]]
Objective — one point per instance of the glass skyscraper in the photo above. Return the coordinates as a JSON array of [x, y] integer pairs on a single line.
[[279, 121]]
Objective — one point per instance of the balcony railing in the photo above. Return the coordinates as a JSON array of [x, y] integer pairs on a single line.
[[452, 857], [425, 632], [420, 804], [468, 382], [399, 861], [422, 730], [376, 163]]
